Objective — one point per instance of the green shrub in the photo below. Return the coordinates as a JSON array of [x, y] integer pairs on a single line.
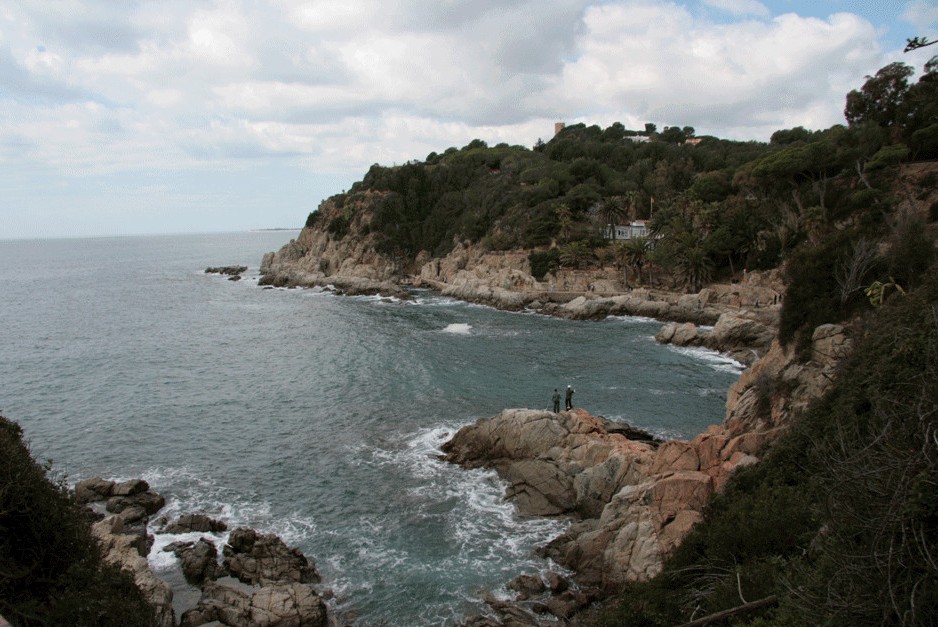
[[51, 571], [543, 262], [338, 227]]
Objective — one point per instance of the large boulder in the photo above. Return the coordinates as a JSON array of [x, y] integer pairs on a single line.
[[554, 463], [284, 605], [264, 559], [94, 489], [199, 560]]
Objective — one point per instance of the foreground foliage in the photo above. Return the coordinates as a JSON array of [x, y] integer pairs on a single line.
[[51, 571]]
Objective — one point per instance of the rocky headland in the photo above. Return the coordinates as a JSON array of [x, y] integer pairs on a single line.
[[632, 501]]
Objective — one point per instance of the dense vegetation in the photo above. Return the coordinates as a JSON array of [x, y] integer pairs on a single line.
[[51, 571], [822, 201]]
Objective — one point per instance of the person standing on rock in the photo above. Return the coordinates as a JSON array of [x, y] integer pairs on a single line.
[[569, 397], [555, 399]]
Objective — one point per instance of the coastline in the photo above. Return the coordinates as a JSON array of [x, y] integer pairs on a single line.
[[632, 502]]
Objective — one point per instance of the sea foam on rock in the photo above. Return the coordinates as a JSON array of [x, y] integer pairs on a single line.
[[278, 580]]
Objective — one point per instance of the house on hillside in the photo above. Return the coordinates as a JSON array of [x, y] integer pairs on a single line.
[[636, 228]]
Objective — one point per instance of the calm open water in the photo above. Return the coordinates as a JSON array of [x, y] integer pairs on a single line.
[[313, 416]]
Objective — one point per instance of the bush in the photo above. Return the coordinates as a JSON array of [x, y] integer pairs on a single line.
[[51, 571], [338, 227], [543, 262]]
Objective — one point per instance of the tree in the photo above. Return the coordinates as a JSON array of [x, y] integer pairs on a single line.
[[575, 255], [881, 97], [695, 265], [611, 211], [917, 42], [634, 252]]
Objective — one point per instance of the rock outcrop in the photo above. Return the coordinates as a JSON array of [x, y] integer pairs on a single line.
[[277, 588], [123, 550], [503, 279], [742, 338], [199, 560], [284, 605], [232, 272], [636, 501], [317, 257], [256, 558]]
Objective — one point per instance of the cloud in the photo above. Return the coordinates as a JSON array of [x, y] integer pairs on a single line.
[[922, 15], [658, 62], [91, 87], [740, 7]]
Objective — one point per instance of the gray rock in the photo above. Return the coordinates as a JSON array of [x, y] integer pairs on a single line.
[[264, 559], [195, 522], [199, 560], [129, 488], [94, 489], [286, 605]]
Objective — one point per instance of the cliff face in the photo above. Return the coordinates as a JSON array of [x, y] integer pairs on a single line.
[[319, 257]]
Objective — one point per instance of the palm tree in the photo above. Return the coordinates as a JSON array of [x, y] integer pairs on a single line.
[[575, 254], [635, 255], [565, 218], [611, 211], [696, 266]]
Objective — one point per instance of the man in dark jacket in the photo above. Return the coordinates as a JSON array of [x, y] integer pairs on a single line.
[[569, 397], [555, 399]]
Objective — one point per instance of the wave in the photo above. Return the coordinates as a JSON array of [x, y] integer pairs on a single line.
[[715, 359], [188, 492], [635, 319], [458, 328]]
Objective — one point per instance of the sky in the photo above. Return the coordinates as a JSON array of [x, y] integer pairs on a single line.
[[172, 116]]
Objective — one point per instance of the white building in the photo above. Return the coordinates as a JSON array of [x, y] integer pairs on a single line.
[[637, 228]]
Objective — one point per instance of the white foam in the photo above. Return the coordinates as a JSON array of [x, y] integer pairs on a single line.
[[458, 328], [187, 492], [484, 526], [715, 359], [635, 319]]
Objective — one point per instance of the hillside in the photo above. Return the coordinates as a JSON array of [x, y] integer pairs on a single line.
[[839, 209]]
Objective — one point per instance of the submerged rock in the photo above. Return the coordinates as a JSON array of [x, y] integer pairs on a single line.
[[195, 522], [232, 271]]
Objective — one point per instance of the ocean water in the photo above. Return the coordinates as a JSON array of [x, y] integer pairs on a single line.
[[310, 415]]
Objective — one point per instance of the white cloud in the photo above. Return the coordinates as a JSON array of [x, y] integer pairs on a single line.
[[740, 7], [921, 14], [658, 62], [89, 87]]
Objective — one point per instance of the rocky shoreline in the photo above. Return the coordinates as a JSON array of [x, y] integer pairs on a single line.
[[744, 314], [632, 500], [259, 580]]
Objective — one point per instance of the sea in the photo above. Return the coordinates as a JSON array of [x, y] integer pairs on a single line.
[[314, 416]]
